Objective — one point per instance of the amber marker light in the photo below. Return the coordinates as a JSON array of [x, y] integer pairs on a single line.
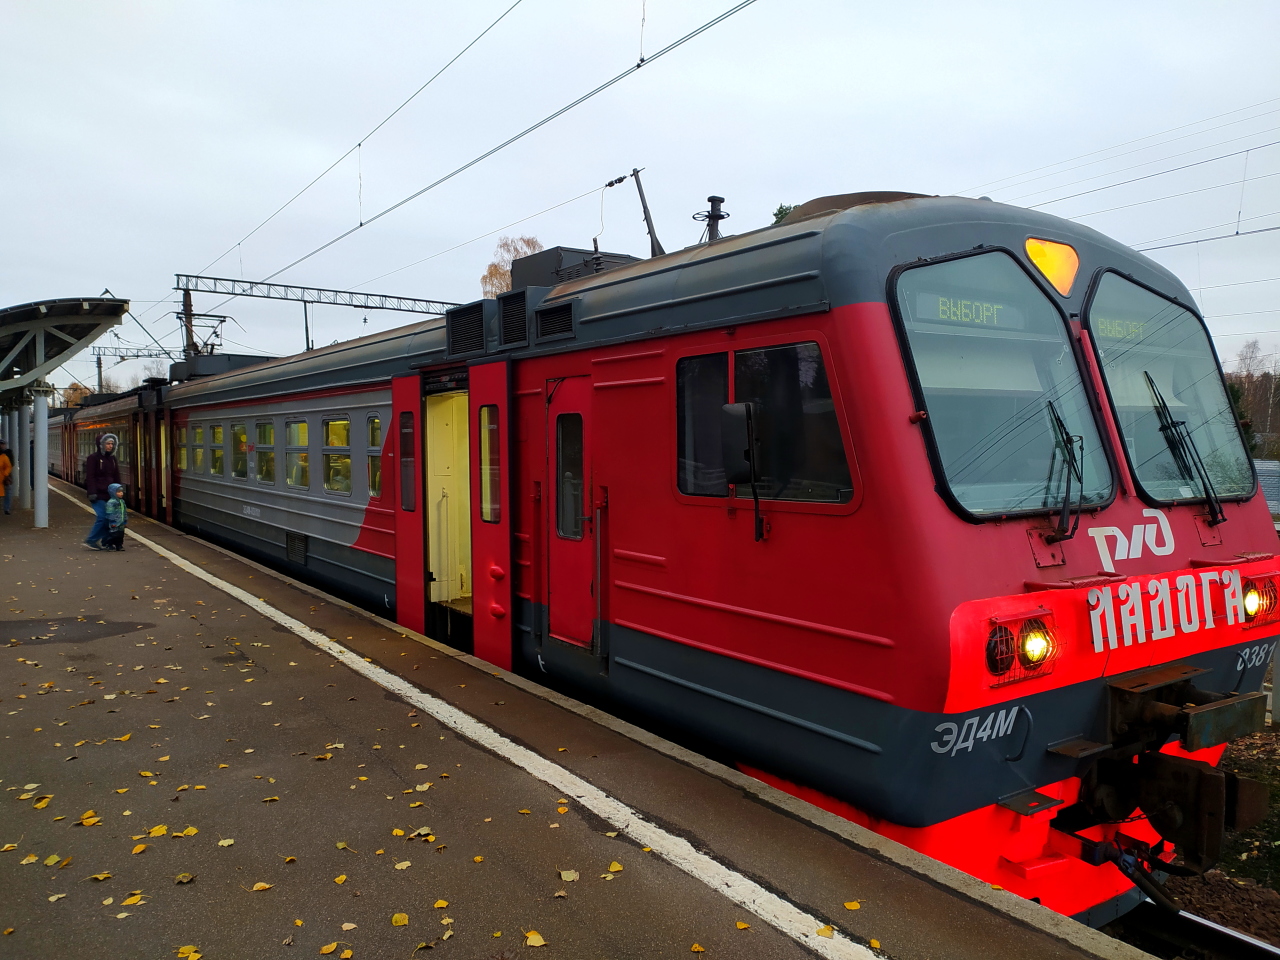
[[1057, 261]]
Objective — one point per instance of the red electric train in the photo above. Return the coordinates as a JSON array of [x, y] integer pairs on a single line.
[[933, 511]]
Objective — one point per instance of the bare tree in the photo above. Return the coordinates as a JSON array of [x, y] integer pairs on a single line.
[[497, 277], [156, 369]]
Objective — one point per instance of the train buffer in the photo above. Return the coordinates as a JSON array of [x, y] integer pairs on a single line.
[[201, 755]]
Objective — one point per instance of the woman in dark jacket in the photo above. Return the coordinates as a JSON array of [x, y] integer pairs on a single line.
[[100, 471]]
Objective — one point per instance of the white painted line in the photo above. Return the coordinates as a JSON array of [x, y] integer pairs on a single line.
[[769, 907]]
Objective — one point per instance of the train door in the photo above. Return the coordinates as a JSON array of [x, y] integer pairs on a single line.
[[571, 542], [491, 522], [447, 498]]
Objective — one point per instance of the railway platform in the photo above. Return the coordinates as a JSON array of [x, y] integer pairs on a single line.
[[201, 757]]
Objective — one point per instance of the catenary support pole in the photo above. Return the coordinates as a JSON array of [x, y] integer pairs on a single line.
[[24, 455], [40, 460]]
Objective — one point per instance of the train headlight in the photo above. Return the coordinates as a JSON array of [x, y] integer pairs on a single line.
[[1034, 643], [1000, 647], [1252, 599]]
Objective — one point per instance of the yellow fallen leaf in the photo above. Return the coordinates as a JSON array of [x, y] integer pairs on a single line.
[[416, 803], [123, 790], [615, 867], [447, 934], [348, 926], [145, 773], [422, 787], [100, 876], [329, 948], [184, 878], [7, 847], [568, 876], [525, 812], [875, 944], [403, 865], [221, 766], [225, 843], [826, 931], [42, 802], [158, 831], [136, 898], [262, 886], [440, 904], [399, 919], [139, 848], [421, 766], [190, 832], [187, 951], [397, 832], [742, 926], [342, 878], [562, 809], [56, 897], [270, 799], [297, 923], [478, 859], [346, 954], [853, 905], [30, 858], [123, 739], [697, 947], [534, 939], [497, 933], [161, 759], [90, 821], [50, 860], [201, 786]]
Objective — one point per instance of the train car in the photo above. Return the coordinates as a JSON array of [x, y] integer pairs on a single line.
[[933, 511]]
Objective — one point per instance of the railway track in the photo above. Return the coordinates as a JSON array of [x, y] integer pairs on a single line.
[[1185, 936]]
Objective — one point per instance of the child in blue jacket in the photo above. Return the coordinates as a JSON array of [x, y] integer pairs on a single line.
[[117, 518]]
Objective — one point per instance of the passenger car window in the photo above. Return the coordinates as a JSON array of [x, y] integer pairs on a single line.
[[490, 465], [215, 450], [239, 451], [374, 448], [702, 390], [569, 476], [801, 452], [297, 458], [180, 445], [265, 452], [337, 456]]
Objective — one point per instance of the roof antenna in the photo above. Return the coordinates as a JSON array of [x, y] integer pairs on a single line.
[[712, 218], [655, 246]]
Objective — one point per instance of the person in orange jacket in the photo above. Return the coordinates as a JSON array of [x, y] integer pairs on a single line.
[[6, 473]]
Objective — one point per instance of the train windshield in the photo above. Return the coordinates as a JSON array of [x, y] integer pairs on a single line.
[[1006, 406], [1178, 427]]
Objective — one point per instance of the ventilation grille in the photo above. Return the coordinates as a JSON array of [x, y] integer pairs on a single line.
[[295, 545], [555, 321], [466, 329], [514, 328]]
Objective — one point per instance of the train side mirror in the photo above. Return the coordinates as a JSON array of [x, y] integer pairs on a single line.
[[738, 442]]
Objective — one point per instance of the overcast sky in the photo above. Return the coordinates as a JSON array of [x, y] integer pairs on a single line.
[[143, 139]]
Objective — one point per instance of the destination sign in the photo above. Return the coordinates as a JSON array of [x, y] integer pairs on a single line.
[[968, 312], [1105, 328]]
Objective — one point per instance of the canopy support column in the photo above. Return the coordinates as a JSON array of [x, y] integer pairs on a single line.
[[24, 454], [40, 459]]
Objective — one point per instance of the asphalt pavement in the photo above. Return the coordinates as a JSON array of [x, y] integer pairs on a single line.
[[182, 769]]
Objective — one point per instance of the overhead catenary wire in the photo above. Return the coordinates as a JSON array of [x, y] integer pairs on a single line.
[[1150, 136], [1224, 236], [361, 141], [519, 136], [1169, 196]]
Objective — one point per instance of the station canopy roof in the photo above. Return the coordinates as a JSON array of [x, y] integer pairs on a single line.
[[37, 338]]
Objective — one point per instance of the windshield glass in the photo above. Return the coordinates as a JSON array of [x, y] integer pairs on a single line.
[[1138, 335], [998, 375]]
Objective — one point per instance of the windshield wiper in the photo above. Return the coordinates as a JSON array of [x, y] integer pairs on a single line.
[[1072, 464], [1185, 452]]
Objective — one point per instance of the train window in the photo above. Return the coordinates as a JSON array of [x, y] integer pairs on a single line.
[[408, 447], [801, 453], [1143, 339], [337, 456], [490, 464], [570, 481], [239, 451], [264, 451], [374, 454], [215, 450], [297, 463], [1009, 419], [197, 448], [702, 389], [180, 445]]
